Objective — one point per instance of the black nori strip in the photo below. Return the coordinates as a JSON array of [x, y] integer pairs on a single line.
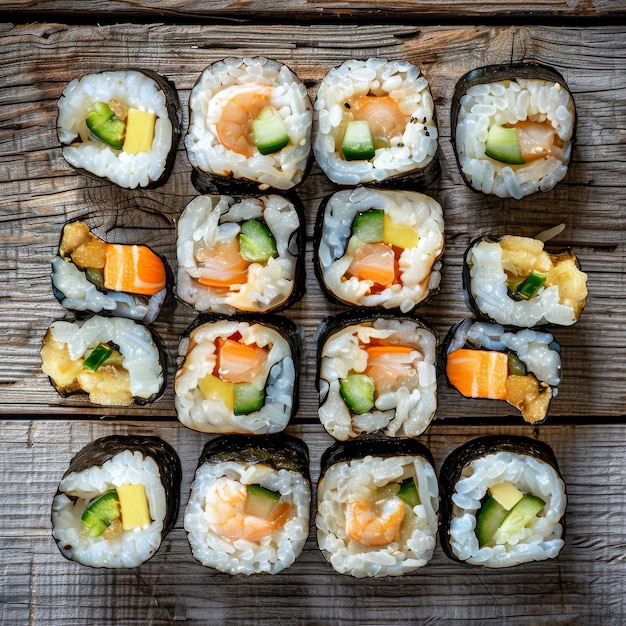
[[98, 452], [492, 74], [460, 458], [279, 451]]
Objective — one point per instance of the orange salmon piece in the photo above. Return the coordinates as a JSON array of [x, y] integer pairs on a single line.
[[376, 262], [388, 366], [133, 269], [239, 362], [224, 265], [382, 112], [478, 373]]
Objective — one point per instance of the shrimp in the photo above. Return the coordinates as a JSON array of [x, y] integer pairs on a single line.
[[234, 127], [385, 118], [374, 524], [225, 512]]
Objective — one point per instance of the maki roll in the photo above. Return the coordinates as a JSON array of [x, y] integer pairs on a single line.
[[503, 502], [121, 125], [237, 375], [513, 128], [241, 254], [375, 123], [376, 373], [112, 359], [516, 281], [249, 127], [250, 503], [377, 504], [90, 275], [521, 366], [379, 248], [117, 501]]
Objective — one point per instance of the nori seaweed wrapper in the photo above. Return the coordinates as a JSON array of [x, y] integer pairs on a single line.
[[460, 458]]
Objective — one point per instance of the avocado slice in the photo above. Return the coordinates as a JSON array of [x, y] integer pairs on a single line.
[[408, 493], [269, 131], [358, 143], [105, 126], [357, 391], [369, 226], [503, 145], [260, 501], [256, 242], [248, 397], [519, 516], [489, 520], [99, 515]]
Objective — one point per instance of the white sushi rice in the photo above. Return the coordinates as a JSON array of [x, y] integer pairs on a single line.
[[412, 150], [358, 480], [209, 219], [419, 266], [540, 540], [134, 89], [130, 548], [280, 170], [272, 553], [508, 102], [490, 291], [197, 358], [406, 412]]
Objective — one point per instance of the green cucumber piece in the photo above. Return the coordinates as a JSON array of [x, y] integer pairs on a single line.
[[99, 515], [98, 357], [408, 493], [256, 242], [260, 501], [503, 145], [269, 131], [357, 392], [248, 397], [519, 516], [517, 367], [358, 143], [531, 285], [489, 519], [369, 226], [105, 126], [95, 275]]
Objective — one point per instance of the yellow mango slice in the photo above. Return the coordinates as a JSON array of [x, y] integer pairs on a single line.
[[213, 388], [399, 235], [506, 494], [139, 131], [133, 506]]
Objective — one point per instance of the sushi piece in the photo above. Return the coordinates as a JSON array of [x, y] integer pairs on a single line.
[[90, 275], [249, 127], [379, 248], [521, 366], [238, 375], [516, 281], [513, 129], [241, 254], [503, 502], [374, 122], [376, 372], [123, 126], [250, 504], [377, 507], [117, 501], [112, 359]]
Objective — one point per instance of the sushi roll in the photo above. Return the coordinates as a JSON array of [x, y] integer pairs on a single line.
[[123, 126], [374, 122], [513, 129], [503, 502], [91, 275], [112, 359], [237, 375], [521, 366], [249, 127], [379, 248], [376, 373], [250, 504], [241, 254], [516, 281], [377, 507], [117, 501]]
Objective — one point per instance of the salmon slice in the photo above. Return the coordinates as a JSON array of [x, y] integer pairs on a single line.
[[239, 362], [389, 366], [478, 373], [133, 269], [376, 262], [537, 140], [383, 114], [223, 265]]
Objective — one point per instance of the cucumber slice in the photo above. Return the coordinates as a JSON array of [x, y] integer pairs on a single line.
[[256, 242], [358, 143], [357, 392], [105, 126], [269, 131], [260, 502], [369, 226], [248, 397], [519, 516], [408, 493], [489, 519], [531, 285], [98, 357], [99, 515], [503, 145]]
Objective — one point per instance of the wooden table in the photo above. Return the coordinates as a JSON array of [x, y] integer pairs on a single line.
[[45, 44]]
